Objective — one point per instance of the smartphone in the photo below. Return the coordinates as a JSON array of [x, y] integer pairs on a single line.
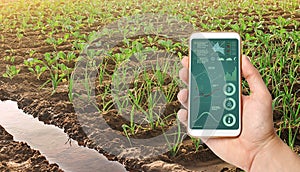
[[214, 84]]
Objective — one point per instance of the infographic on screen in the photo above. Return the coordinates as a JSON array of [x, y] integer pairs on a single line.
[[214, 90]]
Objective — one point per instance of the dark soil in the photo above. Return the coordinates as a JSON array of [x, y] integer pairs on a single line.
[[57, 110], [18, 156]]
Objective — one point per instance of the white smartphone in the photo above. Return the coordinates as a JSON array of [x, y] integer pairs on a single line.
[[214, 84]]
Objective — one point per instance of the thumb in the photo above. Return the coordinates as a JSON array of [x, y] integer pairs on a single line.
[[251, 74]]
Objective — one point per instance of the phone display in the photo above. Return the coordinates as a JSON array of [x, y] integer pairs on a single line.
[[214, 94]]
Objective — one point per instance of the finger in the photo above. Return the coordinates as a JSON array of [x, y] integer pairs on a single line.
[[251, 74], [185, 62], [183, 97], [184, 75], [182, 116]]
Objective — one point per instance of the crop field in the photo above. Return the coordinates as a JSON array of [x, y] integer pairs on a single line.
[[107, 71]]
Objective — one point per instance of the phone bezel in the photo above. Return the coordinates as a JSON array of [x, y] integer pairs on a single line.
[[216, 132]]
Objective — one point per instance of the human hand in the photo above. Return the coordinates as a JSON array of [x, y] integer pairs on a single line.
[[257, 122]]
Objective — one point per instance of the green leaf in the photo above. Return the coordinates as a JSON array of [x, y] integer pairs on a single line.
[[31, 70], [66, 36], [37, 67], [5, 75]]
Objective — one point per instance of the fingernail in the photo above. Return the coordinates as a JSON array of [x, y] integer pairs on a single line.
[[248, 58]]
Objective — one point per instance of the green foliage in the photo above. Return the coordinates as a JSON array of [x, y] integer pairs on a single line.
[[10, 59], [11, 72], [57, 41], [271, 42], [196, 142]]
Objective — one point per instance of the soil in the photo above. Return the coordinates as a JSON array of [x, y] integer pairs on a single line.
[[18, 156], [57, 110]]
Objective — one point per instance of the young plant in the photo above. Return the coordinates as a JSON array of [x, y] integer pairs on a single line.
[[58, 71], [38, 70], [160, 76], [292, 136], [50, 60], [11, 72], [167, 44], [36, 66], [10, 59], [19, 35], [101, 73], [78, 45], [131, 127], [151, 40], [56, 42], [86, 82], [55, 79], [132, 124], [71, 57], [174, 147], [150, 113], [171, 91], [106, 103], [31, 53], [196, 142]]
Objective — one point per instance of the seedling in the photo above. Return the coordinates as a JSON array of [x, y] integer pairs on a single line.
[[31, 52], [56, 42], [9, 59], [174, 147], [78, 45], [55, 80], [132, 125], [11, 72], [196, 142], [19, 35], [38, 70], [171, 91], [166, 44], [71, 56], [106, 103]]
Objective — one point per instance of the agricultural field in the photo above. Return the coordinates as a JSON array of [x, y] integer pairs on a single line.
[[107, 71]]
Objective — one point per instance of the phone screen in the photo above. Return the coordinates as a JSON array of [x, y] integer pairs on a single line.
[[214, 90]]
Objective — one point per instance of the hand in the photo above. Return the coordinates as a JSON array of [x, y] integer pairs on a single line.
[[257, 122]]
